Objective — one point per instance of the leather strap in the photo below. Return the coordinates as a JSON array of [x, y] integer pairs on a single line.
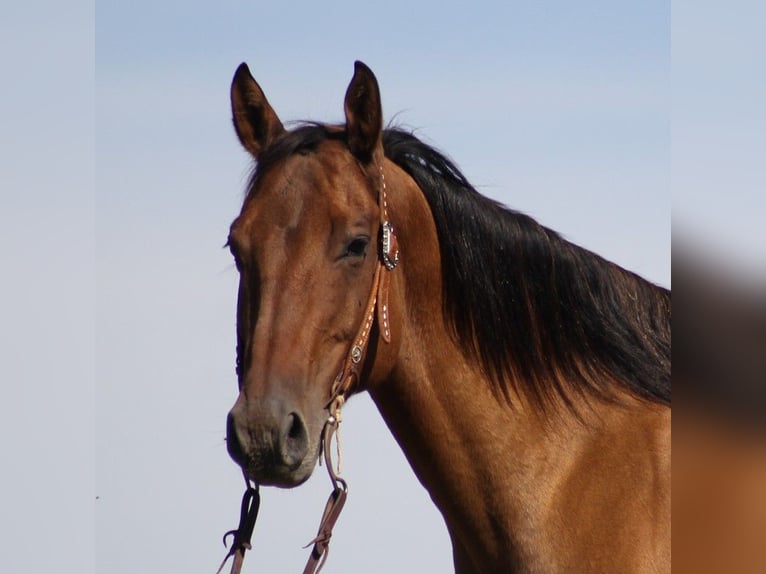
[[349, 376], [251, 503], [388, 257], [334, 505]]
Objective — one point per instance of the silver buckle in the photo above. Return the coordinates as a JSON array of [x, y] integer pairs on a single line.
[[389, 260]]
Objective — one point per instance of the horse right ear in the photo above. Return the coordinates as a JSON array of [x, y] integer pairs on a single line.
[[255, 121], [364, 115]]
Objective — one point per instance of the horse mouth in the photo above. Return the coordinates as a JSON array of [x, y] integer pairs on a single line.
[[268, 467], [279, 475]]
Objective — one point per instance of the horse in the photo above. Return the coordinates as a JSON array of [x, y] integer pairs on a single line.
[[526, 379]]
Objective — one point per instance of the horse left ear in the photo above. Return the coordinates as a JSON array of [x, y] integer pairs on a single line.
[[255, 121], [364, 114]]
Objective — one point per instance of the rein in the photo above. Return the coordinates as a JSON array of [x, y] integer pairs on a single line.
[[345, 383]]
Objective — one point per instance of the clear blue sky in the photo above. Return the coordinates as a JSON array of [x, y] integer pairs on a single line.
[[119, 312]]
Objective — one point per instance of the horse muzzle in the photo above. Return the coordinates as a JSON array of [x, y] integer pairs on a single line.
[[272, 445]]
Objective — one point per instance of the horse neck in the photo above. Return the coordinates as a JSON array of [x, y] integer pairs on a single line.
[[492, 470]]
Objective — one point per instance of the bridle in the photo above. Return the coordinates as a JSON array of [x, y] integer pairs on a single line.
[[347, 381]]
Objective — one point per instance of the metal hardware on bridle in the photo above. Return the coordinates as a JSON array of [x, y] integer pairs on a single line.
[[345, 383], [388, 237]]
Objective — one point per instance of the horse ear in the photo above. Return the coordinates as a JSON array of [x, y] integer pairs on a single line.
[[255, 121], [364, 115]]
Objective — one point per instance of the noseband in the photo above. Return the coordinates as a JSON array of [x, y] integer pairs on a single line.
[[347, 381]]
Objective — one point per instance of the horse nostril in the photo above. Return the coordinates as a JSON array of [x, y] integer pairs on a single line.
[[233, 444], [297, 429], [295, 441]]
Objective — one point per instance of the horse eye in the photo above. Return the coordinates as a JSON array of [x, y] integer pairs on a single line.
[[358, 247]]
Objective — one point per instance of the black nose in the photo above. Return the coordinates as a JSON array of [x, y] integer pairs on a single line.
[[285, 444]]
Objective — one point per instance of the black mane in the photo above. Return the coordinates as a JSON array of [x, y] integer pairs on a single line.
[[531, 306], [538, 313]]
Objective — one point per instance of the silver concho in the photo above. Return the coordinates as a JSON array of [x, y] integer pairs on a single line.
[[356, 354], [389, 260]]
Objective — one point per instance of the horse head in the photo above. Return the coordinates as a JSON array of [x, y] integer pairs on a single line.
[[308, 245]]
